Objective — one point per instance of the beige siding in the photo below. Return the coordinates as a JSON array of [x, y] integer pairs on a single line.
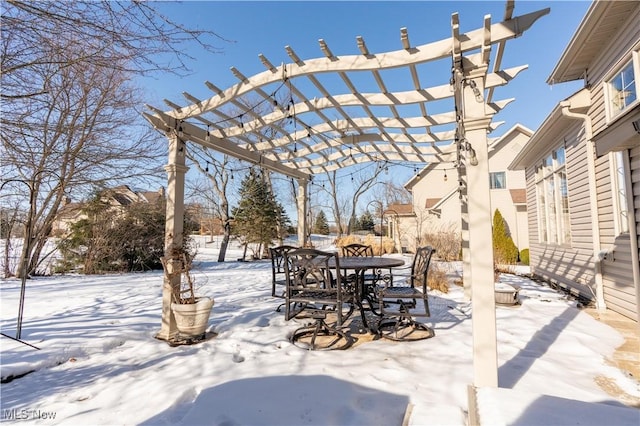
[[432, 185], [617, 272], [600, 71], [568, 266]]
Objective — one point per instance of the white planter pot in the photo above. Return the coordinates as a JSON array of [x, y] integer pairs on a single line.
[[506, 294], [192, 319]]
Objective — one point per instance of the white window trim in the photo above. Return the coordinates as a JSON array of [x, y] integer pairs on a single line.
[[540, 180], [634, 58], [620, 213]]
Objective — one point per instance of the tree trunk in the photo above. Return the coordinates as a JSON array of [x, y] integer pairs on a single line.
[[225, 241]]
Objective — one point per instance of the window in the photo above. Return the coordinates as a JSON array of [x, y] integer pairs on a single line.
[[619, 196], [622, 88], [497, 180], [553, 199]]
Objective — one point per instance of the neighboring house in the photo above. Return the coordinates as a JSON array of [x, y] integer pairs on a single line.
[[401, 225], [69, 214], [436, 199], [206, 221], [582, 165], [118, 199]]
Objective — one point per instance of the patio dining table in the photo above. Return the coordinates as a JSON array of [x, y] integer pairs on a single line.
[[360, 264]]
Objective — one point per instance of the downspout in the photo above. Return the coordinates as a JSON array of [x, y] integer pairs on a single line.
[[595, 224]]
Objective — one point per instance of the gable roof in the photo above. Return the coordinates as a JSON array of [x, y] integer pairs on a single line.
[[498, 143], [430, 202], [518, 196], [602, 22], [400, 209], [551, 128]]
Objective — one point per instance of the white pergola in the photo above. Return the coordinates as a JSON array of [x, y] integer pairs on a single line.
[[292, 123]]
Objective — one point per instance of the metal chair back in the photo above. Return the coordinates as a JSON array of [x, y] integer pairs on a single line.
[[357, 249], [399, 304], [313, 289], [278, 269]]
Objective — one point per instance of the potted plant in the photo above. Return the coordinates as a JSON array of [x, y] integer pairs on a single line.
[[190, 311]]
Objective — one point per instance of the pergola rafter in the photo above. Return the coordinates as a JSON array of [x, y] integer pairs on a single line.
[[290, 125], [293, 123]]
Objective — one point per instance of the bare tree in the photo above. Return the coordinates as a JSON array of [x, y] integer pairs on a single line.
[[342, 204], [132, 36], [70, 119], [9, 218], [218, 170], [393, 193]]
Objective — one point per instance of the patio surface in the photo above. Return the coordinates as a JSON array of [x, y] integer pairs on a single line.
[[626, 356]]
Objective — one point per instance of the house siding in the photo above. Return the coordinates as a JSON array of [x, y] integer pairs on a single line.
[[432, 185], [617, 276], [570, 266], [575, 266], [620, 293], [614, 55]]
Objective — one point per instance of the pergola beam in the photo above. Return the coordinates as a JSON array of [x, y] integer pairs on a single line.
[[198, 135], [396, 59]]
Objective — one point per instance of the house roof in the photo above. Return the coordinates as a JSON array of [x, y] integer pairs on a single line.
[[152, 196], [495, 144], [518, 196], [430, 202], [400, 209], [70, 210], [602, 22], [550, 130], [441, 201]]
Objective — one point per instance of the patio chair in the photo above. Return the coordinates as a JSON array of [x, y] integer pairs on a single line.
[[369, 280], [401, 302], [278, 271], [313, 290]]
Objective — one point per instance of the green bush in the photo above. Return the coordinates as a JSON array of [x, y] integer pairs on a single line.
[[524, 256], [504, 250]]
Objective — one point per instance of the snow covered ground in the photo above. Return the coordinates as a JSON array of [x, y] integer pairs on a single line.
[[99, 363]]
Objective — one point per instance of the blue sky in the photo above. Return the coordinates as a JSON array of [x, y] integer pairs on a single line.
[[252, 28]]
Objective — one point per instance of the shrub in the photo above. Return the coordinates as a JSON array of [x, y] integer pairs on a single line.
[[524, 256], [446, 241], [437, 278], [388, 245], [504, 250]]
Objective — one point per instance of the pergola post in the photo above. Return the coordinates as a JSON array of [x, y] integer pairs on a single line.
[[303, 209], [174, 226], [464, 232], [476, 126]]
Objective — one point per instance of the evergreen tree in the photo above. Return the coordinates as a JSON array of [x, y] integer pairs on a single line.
[[504, 250], [366, 222], [258, 215], [321, 225], [109, 240]]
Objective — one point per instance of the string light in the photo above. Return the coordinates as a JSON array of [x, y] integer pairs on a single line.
[[476, 91], [473, 160]]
